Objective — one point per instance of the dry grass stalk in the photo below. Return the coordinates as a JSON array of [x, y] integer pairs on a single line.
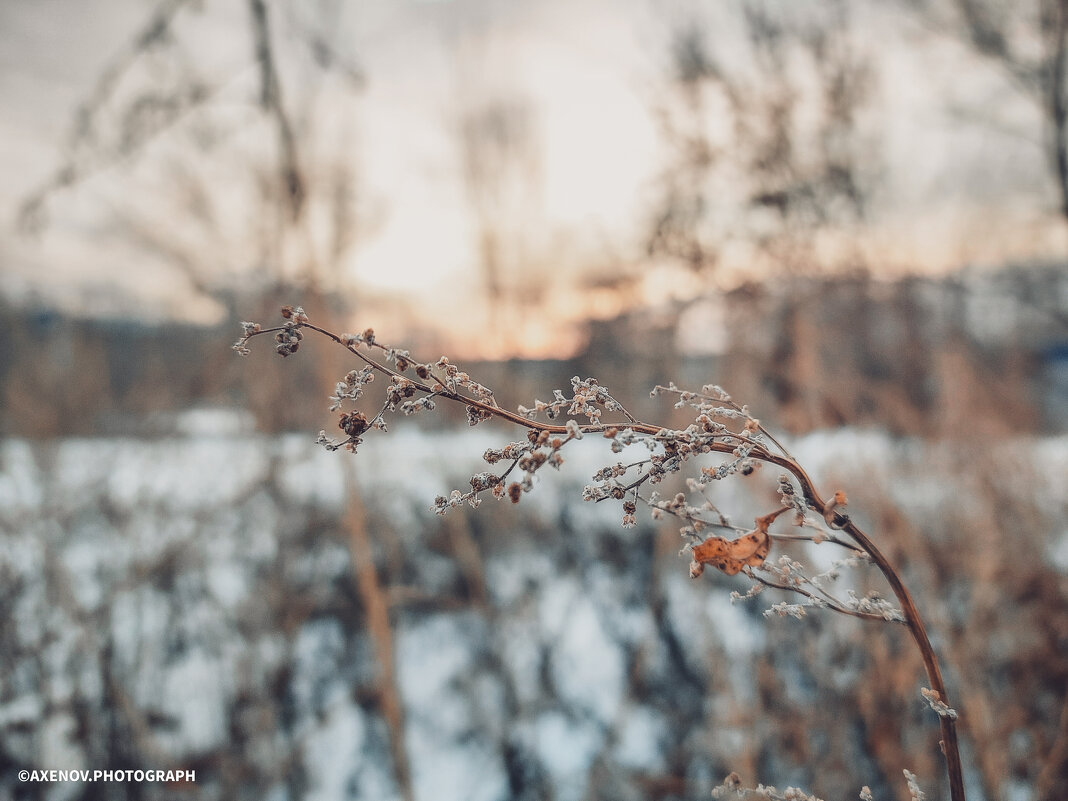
[[720, 426]]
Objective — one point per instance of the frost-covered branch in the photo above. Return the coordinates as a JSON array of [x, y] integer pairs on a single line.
[[723, 441]]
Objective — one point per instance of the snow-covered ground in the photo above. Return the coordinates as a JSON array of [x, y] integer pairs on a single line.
[[190, 602]]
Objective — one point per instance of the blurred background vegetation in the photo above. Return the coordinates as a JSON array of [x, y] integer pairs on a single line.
[[854, 216]]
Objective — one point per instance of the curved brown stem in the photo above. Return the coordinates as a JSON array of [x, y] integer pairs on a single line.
[[950, 747]]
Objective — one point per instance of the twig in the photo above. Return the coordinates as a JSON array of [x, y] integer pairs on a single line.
[[753, 449]]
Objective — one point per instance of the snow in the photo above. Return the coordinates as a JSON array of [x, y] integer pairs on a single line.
[[510, 574], [520, 648], [331, 749], [318, 652], [432, 657], [194, 693], [214, 422], [588, 668], [639, 745], [21, 709], [567, 747], [186, 558], [740, 635], [58, 735], [21, 490]]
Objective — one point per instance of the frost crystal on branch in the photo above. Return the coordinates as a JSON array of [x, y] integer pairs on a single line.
[[732, 788], [936, 703], [875, 604], [351, 387], [783, 609], [914, 787]]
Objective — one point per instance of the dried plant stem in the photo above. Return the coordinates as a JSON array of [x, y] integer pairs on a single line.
[[950, 748], [376, 605], [757, 450]]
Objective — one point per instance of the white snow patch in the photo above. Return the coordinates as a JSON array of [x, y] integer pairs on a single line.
[[21, 484], [431, 656], [422, 465], [520, 648], [509, 574], [318, 647], [214, 422], [21, 709], [447, 769], [179, 474], [587, 665], [58, 740], [567, 749], [1058, 552], [640, 744], [557, 597], [331, 751], [228, 581], [686, 611], [138, 616], [83, 559], [311, 474], [740, 634], [195, 693]]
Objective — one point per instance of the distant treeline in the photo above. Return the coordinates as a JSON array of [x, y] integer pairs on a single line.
[[972, 354], [980, 353]]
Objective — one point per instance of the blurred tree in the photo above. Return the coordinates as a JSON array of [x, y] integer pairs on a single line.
[[1028, 42], [768, 147], [499, 158], [223, 175], [249, 192]]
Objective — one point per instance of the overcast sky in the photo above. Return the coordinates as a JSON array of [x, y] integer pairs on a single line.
[[962, 179]]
